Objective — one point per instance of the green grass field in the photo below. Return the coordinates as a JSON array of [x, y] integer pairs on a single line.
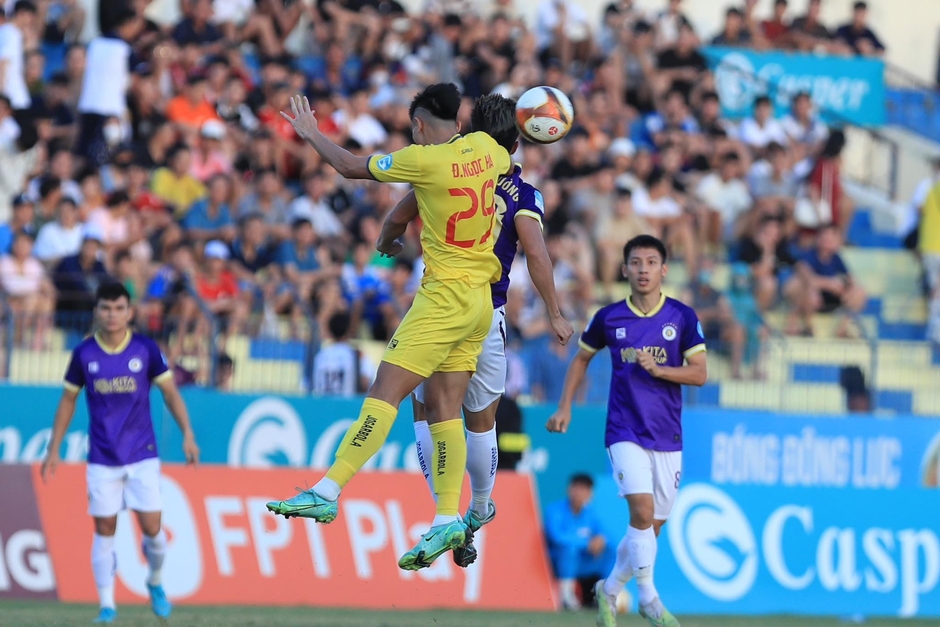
[[16, 613]]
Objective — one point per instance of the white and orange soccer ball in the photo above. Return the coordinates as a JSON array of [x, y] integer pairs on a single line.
[[544, 115]]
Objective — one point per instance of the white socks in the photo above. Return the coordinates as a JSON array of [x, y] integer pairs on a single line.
[[103, 564], [155, 550], [642, 554], [424, 445], [622, 571], [327, 488], [482, 458], [442, 520], [569, 597]]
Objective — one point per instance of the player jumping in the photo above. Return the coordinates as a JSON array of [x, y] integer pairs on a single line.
[[117, 367], [454, 179], [519, 212], [649, 336]]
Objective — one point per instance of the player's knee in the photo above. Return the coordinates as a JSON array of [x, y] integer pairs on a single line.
[[106, 526], [641, 512]]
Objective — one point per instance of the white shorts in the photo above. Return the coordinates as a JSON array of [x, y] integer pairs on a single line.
[[640, 471], [489, 381], [114, 488]]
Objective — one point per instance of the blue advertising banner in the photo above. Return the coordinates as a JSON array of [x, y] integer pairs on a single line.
[[758, 550], [844, 89]]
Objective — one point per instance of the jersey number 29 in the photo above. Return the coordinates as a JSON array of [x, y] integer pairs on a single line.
[[476, 201]]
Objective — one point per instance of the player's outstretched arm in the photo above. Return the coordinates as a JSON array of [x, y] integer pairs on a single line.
[[694, 372], [305, 125], [173, 400], [395, 225], [540, 269], [560, 420], [60, 424]]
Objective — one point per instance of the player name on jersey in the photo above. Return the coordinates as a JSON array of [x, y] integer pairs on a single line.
[[472, 168]]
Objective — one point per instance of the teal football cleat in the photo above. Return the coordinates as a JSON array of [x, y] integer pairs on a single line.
[[106, 615], [467, 554], [307, 504], [657, 615], [606, 606], [158, 601], [437, 541]]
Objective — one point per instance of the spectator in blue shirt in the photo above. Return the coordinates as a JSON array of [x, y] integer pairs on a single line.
[[369, 293], [299, 258], [577, 546], [23, 221], [211, 218], [77, 279], [825, 284]]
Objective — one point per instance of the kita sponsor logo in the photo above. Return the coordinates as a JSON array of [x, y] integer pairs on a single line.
[[270, 433]]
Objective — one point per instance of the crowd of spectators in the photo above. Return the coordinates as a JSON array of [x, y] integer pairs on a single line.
[[155, 154]]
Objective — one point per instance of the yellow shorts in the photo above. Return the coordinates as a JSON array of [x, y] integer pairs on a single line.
[[444, 329]]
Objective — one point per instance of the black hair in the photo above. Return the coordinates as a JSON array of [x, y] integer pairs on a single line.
[[339, 324], [117, 197], [300, 222], [67, 200], [175, 151], [644, 241], [834, 144], [761, 100], [581, 479], [440, 100], [734, 11], [121, 256], [111, 291], [406, 264], [495, 115], [48, 185], [24, 6], [125, 16], [855, 7], [656, 176]]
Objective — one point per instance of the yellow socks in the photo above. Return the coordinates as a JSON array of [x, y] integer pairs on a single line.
[[363, 440], [448, 464]]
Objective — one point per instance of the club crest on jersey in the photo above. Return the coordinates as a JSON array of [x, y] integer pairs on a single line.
[[385, 163], [670, 332], [93, 367], [621, 333], [135, 364]]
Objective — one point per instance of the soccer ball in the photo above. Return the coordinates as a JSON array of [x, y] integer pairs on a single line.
[[624, 601], [544, 115]]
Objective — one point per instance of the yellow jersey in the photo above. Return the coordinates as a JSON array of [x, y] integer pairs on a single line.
[[455, 185]]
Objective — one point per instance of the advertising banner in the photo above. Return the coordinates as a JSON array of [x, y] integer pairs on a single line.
[[25, 567], [224, 547], [844, 89]]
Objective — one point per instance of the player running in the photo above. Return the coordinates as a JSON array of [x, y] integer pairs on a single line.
[[117, 367], [454, 179], [649, 336], [519, 213]]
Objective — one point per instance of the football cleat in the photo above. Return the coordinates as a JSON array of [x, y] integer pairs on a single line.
[[437, 541], [158, 601], [606, 606], [467, 554], [307, 504], [106, 615], [657, 615]]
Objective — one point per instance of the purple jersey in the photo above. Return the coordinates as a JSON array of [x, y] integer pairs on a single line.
[[641, 408], [514, 197], [120, 429]]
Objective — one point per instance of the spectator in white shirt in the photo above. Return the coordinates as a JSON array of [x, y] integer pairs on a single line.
[[666, 218], [312, 206], [360, 124], [758, 131], [725, 198], [805, 131], [62, 238], [105, 83], [12, 59], [561, 26], [28, 290], [339, 369], [9, 129]]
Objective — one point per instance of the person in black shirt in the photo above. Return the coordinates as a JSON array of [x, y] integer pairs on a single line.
[[771, 260], [575, 168], [682, 65], [858, 36]]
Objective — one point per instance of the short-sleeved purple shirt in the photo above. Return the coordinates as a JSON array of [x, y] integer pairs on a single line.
[[642, 408], [120, 427], [514, 197]]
